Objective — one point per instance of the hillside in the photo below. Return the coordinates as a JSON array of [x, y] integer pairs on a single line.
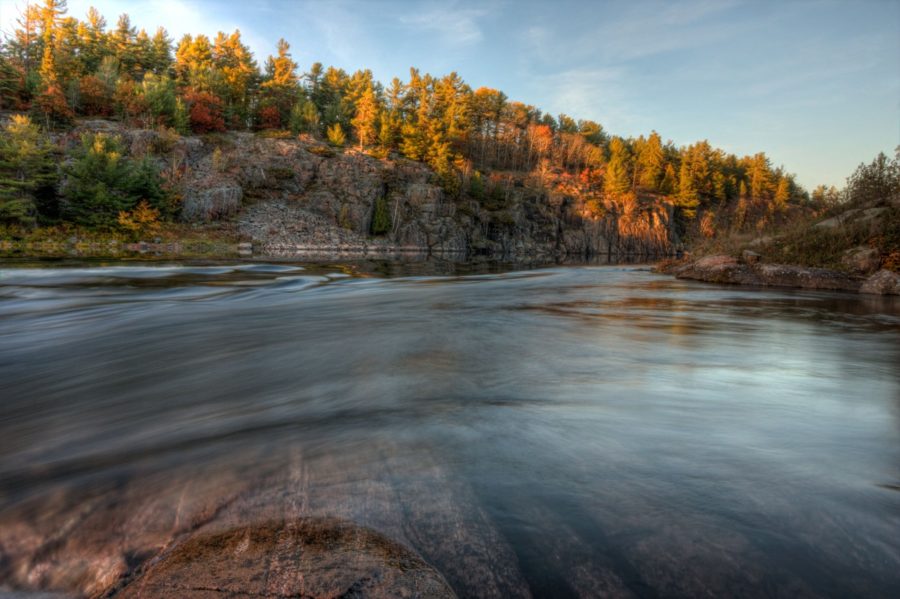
[[301, 195], [436, 164]]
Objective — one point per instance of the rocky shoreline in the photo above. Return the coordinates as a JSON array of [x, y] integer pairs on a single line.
[[749, 271]]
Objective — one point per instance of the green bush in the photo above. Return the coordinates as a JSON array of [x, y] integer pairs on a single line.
[[101, 182], [381, 220]]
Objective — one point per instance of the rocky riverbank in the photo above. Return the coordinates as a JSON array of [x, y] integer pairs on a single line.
[[749, 271]]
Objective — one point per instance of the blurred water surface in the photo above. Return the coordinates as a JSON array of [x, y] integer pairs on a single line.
[[555, 432]]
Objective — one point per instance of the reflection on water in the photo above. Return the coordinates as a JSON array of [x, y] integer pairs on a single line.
[[576, 431]]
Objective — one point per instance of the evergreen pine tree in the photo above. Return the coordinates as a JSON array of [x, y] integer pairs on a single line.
[[27, 170]]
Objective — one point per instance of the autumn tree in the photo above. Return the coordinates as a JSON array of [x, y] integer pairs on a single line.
[[194, 66], [651, 162], [239, 76], [280, 85], [365, 121], [618, 174], [205, 112], [336, 135]]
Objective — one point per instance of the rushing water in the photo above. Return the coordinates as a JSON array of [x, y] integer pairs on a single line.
[[554, 432]]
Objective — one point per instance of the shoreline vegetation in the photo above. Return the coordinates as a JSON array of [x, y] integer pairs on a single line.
[[116, 141]]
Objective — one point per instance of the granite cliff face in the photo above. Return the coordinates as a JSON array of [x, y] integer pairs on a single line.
[[300, 195]]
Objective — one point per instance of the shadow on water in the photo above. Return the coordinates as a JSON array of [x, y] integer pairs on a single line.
[[504, 430]]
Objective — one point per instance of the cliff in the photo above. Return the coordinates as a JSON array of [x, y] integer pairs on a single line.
[[299, 195]]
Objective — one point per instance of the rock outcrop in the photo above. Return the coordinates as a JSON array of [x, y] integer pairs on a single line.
[[861, 259], [726, 269], [298, 194], [883, 282]]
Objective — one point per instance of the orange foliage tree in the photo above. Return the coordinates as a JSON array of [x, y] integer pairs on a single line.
[[269, 117], [52, 105], [205, 112], [95, 97]]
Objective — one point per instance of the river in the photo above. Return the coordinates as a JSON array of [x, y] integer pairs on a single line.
[[552, 432]]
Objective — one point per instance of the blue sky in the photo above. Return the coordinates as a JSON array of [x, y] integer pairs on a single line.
[[813, 83]]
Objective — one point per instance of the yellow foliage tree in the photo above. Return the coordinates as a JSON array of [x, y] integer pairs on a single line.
[[143, 221]]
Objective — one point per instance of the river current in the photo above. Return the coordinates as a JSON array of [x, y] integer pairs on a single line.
[[551, 432]]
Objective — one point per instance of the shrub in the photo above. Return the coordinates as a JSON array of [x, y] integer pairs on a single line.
[[96, 99], [219, 161], [131, 102], [275, 134], [159, 97], [381, 220], [100, 183], [165, 140], [320, 151], [205, 112], [143, 221], [181, 120], [52, 106], [336, 135], [269, 117]]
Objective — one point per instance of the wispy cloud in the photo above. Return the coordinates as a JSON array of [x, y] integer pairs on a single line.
[[455, 24], [601, 94], [629, 32]]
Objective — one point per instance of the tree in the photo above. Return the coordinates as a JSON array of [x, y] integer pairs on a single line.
[[687, 199], [281, 70], [51, 14], [759, 172], [205, 112], [782, 193], [618, 179], [239, 76], [27, 171], [280, 84], [122, 42], [652, 162], [592, 132], [51, 106], [161, 52], [194, 67], [336, 135], [101, 183], [669, 183], [159, 97], [366, 117], [876, 182], [314, 84]]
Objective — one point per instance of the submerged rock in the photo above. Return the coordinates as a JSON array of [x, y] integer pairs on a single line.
[[309, 558]]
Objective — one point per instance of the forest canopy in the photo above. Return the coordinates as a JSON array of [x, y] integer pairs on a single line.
[[60, 67]]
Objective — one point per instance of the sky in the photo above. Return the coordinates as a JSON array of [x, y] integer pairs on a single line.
[[813, 83]]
